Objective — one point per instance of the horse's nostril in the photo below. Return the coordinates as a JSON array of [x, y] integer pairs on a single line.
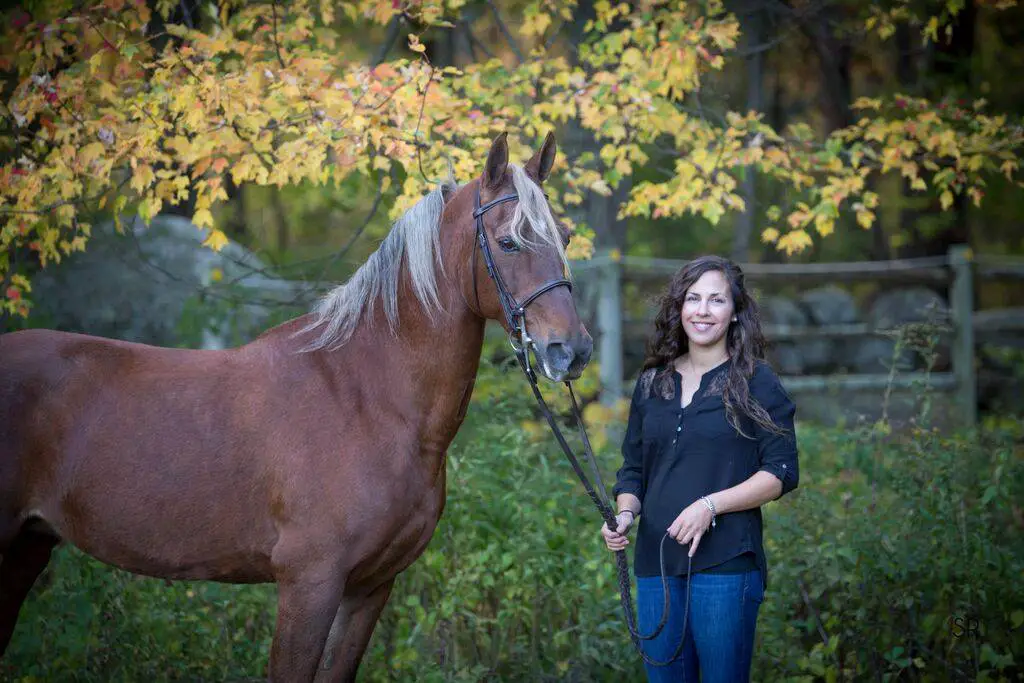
[[560, 355]]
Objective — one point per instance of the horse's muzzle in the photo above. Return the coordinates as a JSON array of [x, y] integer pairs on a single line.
[[561, 360]]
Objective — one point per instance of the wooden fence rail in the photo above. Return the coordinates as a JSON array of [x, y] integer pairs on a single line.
[[958, 270]]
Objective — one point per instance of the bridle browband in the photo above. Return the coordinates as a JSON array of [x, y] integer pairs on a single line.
[[519, 338], [515, 312]]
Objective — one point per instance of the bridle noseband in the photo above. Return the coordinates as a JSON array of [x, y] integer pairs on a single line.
[[515, 312]]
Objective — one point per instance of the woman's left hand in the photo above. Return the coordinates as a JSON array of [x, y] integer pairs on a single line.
[[691, 524]]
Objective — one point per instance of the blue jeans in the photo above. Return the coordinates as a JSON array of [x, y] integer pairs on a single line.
[[719, 641]]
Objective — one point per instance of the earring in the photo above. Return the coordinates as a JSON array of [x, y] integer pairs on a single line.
[[734, 318]]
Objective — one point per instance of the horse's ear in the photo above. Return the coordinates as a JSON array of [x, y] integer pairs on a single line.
[[539, 167], [497, 161]]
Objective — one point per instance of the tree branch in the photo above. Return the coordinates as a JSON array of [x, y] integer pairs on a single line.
[[186, 14], [277, 45], [394, 29], [814, 611], [475, 42], [416, 133], [504, 30], [348, 245], [550, 40]]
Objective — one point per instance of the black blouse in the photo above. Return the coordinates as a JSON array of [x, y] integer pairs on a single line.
[[672, 456]]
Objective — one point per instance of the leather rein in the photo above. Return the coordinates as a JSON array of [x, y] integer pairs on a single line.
[[521, 342]]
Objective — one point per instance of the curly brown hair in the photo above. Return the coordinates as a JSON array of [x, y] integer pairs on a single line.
[[745, 342]]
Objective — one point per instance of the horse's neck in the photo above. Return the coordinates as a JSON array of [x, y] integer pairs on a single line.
[[425, 371]]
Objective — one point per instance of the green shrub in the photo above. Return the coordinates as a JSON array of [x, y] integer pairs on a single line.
[[898, 560]]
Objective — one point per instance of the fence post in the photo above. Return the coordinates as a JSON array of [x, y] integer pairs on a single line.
[[609, 325], [962, 306]]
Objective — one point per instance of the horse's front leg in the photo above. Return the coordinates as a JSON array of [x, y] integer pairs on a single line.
[[350, 634], [306, 606]]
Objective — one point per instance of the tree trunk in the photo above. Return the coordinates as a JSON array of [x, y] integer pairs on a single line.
[[754, 35]]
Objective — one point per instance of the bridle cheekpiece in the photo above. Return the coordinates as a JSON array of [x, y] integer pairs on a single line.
[[515, 312]]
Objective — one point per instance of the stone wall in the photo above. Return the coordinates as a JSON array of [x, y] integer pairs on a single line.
[[833, 306]]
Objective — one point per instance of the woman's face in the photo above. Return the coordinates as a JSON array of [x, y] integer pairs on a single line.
[[708, 309]]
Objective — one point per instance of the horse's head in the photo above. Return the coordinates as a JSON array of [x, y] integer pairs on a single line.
[[519, 265]]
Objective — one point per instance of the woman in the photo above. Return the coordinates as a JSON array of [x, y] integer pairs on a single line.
[[709, 441]]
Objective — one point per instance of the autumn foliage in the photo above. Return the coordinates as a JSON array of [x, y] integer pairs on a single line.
[[116, 108]]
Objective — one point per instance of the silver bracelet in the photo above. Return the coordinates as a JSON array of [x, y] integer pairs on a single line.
[[710, 506]]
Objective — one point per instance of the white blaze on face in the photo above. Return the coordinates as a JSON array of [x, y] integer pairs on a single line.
[[707, 310]]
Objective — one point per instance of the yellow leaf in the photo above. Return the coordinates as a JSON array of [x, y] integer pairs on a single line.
[[794, 241], [202, 218], [216, 240], [580, 248], [415, 45], [142, 178], [1008, 167], [946, 200], [824, 225], [90, 152], [769, 235], [865, 219], [867, 103]]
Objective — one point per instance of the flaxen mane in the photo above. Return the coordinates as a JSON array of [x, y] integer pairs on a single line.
[[414, 239]]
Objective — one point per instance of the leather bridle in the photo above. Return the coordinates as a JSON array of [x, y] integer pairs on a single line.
[[515, 312]]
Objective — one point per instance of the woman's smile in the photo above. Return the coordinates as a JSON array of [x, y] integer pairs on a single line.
[[707, 309], [702, 326]]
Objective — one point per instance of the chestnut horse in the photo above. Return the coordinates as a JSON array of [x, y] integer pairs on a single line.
[[313, 457]]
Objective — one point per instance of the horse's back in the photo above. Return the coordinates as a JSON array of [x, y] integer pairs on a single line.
[[50, 384], [104, 439]]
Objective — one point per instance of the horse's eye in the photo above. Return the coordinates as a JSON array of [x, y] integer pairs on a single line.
[[508, 245]]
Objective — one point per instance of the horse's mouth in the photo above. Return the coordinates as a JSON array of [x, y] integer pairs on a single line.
[[559, 363]]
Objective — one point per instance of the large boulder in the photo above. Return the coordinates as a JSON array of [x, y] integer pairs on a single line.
[[825, 307], [160, 285], [778, 310], [895, 307], [829, 305], [916, 313], [787, 357], [877, 355]]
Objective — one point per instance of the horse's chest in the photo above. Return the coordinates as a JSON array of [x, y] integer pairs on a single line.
[[400, 529]]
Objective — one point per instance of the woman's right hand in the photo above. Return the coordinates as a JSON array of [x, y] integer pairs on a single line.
[[616, 540]]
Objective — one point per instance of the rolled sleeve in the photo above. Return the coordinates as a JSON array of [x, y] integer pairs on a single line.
[[629, 478], [777, 453]]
